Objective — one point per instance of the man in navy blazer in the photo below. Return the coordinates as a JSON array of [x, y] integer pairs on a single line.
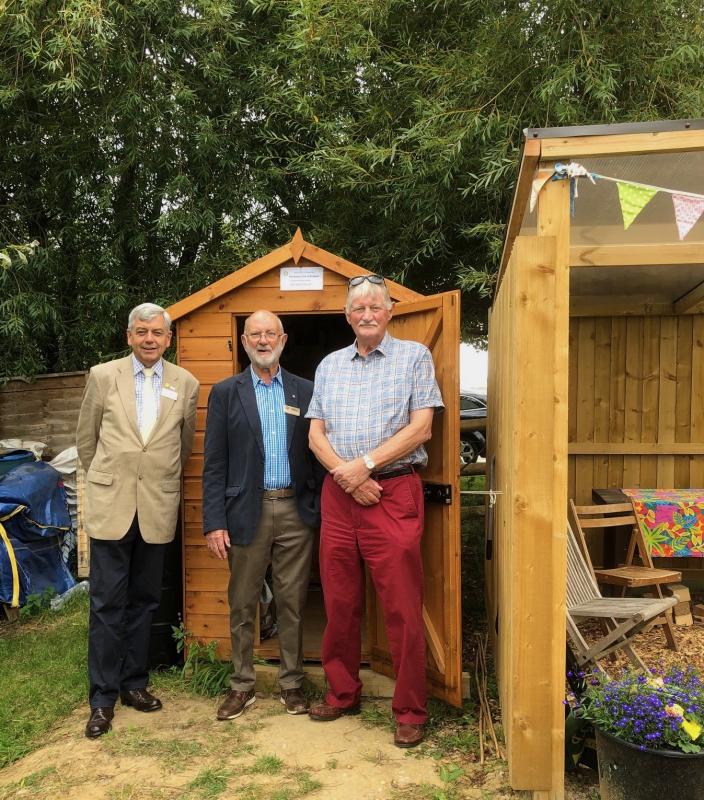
[[261, 505]]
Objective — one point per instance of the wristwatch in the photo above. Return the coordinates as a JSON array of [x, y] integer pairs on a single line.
[[368, 463]]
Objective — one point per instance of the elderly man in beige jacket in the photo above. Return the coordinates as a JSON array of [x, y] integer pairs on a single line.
[[135, 431]]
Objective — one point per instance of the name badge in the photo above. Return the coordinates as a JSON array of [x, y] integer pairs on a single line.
[[296, 412], [168, 392]]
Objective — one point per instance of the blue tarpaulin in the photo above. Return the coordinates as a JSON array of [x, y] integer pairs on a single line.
[[34, 519]]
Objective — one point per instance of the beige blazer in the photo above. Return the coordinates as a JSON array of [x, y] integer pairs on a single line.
[[125, 475]]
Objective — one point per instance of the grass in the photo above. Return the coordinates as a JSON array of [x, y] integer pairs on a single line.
[[267, 765], [47, 675], [172, 753], [33, 785], [209, 783]]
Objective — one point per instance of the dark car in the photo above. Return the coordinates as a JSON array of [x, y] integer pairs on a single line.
[[472, 443]]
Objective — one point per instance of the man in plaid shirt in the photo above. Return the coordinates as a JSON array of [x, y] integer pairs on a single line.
[[371, 411]]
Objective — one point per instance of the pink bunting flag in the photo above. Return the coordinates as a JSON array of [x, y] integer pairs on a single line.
[[687, 212]]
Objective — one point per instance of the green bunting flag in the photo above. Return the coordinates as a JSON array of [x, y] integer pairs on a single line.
[[633, 200]]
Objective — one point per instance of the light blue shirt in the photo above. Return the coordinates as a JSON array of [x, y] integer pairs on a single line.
[[364, 401], [157, 379], [270, 403]]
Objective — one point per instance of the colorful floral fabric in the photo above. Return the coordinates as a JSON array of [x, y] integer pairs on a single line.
[[671, 520]]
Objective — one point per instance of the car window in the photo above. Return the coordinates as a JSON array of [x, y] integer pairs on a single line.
[[468, 403]]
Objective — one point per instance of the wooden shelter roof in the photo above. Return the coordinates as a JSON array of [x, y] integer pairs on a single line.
[[603, 256], [295, 250]]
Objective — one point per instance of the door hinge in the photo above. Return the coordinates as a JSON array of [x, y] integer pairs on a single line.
[[438, 493]]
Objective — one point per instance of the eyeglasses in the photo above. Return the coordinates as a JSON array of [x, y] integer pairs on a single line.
[[270, 336], [377, 280]]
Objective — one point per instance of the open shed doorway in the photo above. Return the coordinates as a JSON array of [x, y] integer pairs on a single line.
[[310, 338]]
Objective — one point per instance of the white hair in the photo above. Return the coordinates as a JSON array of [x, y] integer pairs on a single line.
[[146, 312], [366, 288]]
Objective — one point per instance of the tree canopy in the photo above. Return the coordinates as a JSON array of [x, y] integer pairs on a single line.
[[151, 147]]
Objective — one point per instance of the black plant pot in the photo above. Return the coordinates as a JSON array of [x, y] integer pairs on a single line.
[[628, 773]]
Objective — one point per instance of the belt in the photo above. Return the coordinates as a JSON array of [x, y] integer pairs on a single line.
[[278, 494], [393, 473]]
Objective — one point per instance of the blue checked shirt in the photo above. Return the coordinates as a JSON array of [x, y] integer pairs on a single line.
[[270, 402], [157, 378], [364, 401]]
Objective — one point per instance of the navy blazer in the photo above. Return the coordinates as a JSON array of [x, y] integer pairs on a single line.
[[233, 469]]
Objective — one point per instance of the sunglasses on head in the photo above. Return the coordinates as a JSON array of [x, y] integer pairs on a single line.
[[358, 279]]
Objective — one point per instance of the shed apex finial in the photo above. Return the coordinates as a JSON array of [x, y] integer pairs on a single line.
[[298, 245]]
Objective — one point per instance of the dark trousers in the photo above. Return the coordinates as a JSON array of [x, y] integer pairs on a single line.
[[125, 590]]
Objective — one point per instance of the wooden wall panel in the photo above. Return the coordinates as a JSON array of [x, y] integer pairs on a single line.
[[651, 407], [654, 395], [527, 463]]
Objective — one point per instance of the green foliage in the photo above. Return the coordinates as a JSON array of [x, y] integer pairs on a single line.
[[152, 147], [203, 672], [36, 656], [209, 783], [267, 765], [36, 604]]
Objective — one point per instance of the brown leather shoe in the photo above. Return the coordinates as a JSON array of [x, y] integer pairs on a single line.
[[408, 734], [140, 700], [294, 700], [235, 703], [99, 722], [324, 712]]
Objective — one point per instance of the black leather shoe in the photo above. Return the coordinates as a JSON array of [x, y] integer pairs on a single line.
[[99, 722], [140, 700]]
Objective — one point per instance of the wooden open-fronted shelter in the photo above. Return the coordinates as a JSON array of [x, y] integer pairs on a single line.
[[307, 286], [596, 380]]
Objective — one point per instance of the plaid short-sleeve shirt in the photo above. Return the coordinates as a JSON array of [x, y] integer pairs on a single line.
[[364, 401]]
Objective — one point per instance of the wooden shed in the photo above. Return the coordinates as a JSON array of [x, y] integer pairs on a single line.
[[307, 286], [596, 379]]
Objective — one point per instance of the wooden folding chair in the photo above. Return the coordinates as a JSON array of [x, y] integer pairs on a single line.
[[629, 575], [624, 617]]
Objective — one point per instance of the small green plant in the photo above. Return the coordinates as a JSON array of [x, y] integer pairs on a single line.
[[306, 784], [203, 672], [267, 765], [377, 715], [36, 604], [210, 783], [450, 773]]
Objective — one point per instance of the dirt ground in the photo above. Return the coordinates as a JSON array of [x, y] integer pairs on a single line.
[[183, 752]]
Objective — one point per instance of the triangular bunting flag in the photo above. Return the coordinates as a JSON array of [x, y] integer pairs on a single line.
[[687, 212], [633, 200]]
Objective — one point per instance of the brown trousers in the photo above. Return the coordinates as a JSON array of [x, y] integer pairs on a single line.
[[287, 543]]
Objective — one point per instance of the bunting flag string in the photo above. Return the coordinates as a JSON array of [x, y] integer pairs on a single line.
[[633, 196]]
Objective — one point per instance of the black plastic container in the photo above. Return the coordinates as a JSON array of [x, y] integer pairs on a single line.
[[628, 773]]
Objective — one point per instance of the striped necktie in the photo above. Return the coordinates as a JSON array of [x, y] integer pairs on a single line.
[[149, 404]]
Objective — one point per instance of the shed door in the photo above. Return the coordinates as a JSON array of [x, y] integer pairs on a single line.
[[434, 321]]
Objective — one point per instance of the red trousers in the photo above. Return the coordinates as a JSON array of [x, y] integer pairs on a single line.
[[386, 537]]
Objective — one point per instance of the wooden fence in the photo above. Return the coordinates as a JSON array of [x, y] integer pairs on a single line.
[[44, 409]]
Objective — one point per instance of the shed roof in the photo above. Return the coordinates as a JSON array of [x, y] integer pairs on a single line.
[[295, 250]]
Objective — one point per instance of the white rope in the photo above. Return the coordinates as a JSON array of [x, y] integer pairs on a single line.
[[493, 493]]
